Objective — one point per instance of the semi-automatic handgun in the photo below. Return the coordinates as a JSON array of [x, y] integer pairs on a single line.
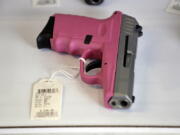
[[111, 43]]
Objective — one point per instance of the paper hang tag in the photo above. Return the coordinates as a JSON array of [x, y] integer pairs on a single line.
[[46, 100]]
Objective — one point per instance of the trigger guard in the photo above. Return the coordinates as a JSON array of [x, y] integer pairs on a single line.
[[90, 79]]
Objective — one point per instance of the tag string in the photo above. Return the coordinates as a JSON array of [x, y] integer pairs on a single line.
[[65, 73], [82, 59]]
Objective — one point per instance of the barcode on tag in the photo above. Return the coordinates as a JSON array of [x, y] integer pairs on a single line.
[[46, 100], [43, 91], [174, 7]]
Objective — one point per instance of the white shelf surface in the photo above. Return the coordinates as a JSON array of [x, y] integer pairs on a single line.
[[157, 80]]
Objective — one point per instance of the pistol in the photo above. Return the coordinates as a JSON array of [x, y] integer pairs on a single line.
[[111, 43]]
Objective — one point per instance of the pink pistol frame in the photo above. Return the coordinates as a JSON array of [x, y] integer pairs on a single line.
[[111, 43]]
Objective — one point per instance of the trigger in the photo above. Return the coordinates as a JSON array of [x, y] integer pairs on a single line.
[[92, 65]]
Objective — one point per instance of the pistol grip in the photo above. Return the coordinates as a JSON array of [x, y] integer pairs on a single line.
[[90, 79]]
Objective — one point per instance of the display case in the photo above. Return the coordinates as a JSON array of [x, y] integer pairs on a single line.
[[156, 85]]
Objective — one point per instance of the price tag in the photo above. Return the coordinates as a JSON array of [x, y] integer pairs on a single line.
[[46, 100]]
